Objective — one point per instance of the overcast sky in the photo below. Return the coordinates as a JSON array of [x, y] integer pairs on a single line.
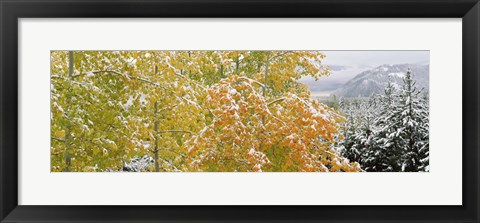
[[374, 58], [345, 65]]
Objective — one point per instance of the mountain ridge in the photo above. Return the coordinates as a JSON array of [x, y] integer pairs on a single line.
[[373, 81]]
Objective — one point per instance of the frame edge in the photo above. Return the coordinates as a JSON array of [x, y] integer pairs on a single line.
[[9, 116]]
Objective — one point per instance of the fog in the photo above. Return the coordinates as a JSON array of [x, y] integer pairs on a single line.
[[345, 65]]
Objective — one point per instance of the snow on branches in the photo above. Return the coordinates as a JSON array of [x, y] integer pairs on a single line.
[[248, 133], [388, 132], [191, 111]]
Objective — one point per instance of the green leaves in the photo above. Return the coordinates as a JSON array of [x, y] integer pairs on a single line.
[[193, 110]]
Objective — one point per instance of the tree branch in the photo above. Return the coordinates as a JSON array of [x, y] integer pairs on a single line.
[[58, 139], [129, 77], [190, 80], [181, 131], [276, 100], [253, 81], [170, 150], [281, 54]]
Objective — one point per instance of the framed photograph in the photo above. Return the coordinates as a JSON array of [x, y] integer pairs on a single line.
[[228, 111]]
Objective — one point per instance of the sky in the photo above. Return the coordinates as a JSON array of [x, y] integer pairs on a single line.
[[344, 65]]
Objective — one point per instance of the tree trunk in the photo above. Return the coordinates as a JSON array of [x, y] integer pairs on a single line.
[[410, 129], [155, 142], [155, 126], [67, 155], [221, 70], [265, 81], [237, 61]]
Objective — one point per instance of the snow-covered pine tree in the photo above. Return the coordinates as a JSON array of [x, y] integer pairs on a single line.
[[425, 147], [371, 159], [413, 126], [349, 128], [358, 130], [388, 132], [387, 155]]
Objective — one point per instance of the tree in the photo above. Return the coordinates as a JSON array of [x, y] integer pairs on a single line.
[[296, 133], [413, 126], [387, 154], [388, 132], [191, 111], [247, 116], [109, 103], [346, 143]]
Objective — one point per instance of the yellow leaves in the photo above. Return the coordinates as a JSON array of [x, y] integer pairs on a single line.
[[59, 134], [96, 151], [112, 146], [232, 111]]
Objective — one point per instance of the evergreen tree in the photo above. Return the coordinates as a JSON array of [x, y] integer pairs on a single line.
[[349, 129], [413, 126], [387, 154], [388, 132]]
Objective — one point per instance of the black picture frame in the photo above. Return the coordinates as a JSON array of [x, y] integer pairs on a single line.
[[12, 10]]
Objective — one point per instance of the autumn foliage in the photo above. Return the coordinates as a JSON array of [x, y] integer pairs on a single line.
[[221, 111]]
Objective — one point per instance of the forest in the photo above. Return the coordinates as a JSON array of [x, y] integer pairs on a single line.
[[225, 111], [387, 132]]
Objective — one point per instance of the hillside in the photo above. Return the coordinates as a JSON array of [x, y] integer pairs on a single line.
[[374, 81]]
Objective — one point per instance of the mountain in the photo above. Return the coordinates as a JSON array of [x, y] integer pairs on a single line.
[[374, 81]]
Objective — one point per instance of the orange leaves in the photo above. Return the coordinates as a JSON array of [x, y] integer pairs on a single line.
[[236, 105], [308, 130], [204, 110], [286, 134]]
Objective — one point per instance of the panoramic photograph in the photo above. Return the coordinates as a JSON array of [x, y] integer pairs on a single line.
[[239, 111]]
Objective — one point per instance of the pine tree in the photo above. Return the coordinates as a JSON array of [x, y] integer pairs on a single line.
[[347, 145], [413, 126], [388, 132], [387, 154]]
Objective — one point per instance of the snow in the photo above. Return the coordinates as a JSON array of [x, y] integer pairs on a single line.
[[397, 74], [233, 91], [85, 127], [143, 98], [132, 61], [109, 141], [136, 164], [128, 103], [376, 127], [146, 145], [58, 106], [258, 167], [291, 137], [187, 88]]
